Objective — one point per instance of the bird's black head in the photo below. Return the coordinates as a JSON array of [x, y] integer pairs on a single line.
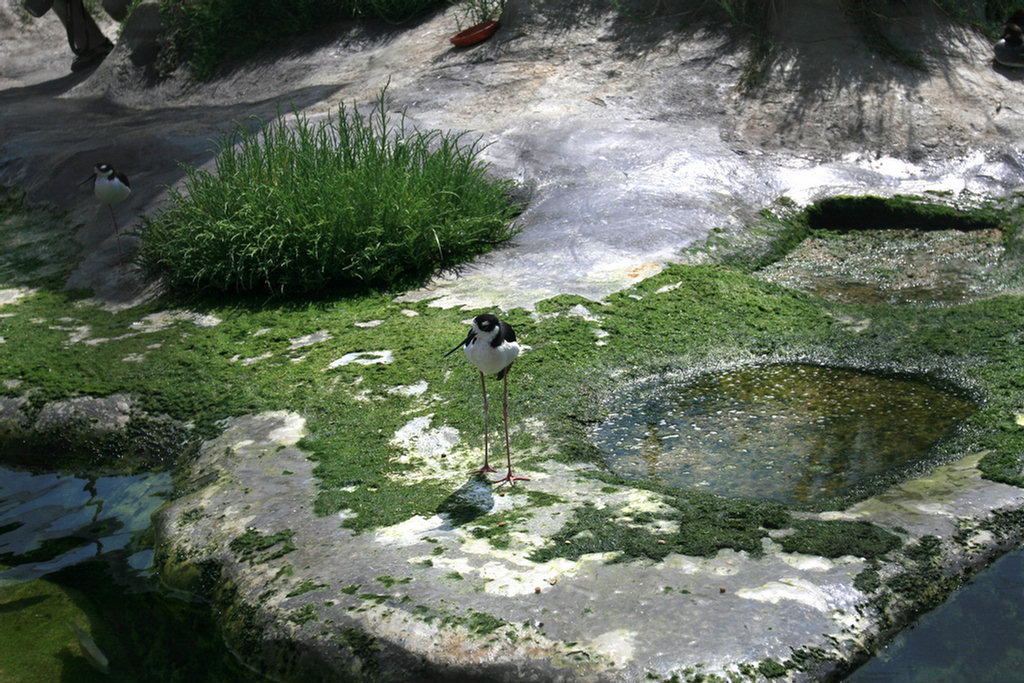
[[101, 170], [486, 322]]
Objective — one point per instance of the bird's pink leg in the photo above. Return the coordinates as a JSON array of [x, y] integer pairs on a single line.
[[510, 478], [116, 231], [486, 467]]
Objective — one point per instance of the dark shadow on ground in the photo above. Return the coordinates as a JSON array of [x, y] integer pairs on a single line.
[[347, 37]]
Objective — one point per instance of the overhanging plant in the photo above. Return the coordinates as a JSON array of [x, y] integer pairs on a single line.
[[473, 12]]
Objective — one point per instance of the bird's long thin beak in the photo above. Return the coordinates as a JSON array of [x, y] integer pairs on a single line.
[[92, 177], [461, 344]]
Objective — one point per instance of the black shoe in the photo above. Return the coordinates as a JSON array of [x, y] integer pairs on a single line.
[[93, 56]]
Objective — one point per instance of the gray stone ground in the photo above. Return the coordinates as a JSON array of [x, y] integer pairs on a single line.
[[635, 143]]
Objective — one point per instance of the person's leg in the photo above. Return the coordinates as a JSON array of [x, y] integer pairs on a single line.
[[117, 9], [84, 36]]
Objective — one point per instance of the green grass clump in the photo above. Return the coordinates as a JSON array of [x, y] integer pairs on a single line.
[[350, 205], [205, 33]]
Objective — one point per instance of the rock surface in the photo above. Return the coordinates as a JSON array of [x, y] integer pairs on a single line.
[[441, 603]]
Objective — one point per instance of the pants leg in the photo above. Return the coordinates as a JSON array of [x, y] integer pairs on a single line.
[[84, 35]]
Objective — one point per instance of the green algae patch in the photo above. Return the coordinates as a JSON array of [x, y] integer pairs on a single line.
[[836, 538], [34, 243], [482, 623], [34, 650], [307, 586], [303, 615], [389, 581], [922, 582], [710, 310], [846, 212], [498, 528], [769, 668], [364, 646], [252, 546], [688, 524]]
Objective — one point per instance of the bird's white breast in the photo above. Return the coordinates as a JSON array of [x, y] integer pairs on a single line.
[[110, 191], [491, 359]]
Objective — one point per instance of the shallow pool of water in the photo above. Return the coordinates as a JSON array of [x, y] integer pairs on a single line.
[[940, 267], [974, 637], [52, 521], [790, 433], [76, 553]]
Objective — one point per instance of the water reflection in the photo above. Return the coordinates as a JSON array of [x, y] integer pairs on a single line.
[[75, 572], [789, 432], [52, 521], [975, 637]]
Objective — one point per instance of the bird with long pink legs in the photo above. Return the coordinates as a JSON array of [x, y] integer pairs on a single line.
[[110, 187], [492, 347]]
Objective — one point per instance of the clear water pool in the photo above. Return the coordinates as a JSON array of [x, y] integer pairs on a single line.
[[790, 433]]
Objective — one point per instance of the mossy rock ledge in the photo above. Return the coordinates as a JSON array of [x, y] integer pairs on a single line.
[[303, 598], [88, 433]]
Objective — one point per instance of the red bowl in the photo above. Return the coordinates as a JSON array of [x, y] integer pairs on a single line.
[[474, 34]]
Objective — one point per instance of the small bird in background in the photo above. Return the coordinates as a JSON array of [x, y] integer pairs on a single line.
[[1009, 51], [491, 346], [110, 187]]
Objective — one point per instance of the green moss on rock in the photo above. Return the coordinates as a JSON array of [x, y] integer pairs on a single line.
[[691, 524], [835, 538], [252, 546], [846, 212]]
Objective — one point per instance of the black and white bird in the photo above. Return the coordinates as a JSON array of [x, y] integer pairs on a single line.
[[492, 347], [110, 187], [1009, 51]]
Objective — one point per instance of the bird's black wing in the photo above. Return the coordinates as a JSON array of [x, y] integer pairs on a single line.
[[507, 335]]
